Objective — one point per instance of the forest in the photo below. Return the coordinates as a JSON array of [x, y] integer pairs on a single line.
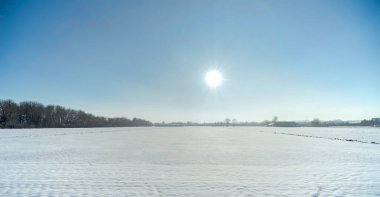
[[29, 114]]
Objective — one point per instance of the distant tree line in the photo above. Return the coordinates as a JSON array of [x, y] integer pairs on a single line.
[[30, 114], [374, 122], [318, 123]]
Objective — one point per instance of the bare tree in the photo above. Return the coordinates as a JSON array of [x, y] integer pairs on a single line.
[[274, 120], [234, 122], [227, 122], [316, 123]]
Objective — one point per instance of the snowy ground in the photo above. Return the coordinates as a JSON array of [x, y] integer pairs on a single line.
[[190, 161]]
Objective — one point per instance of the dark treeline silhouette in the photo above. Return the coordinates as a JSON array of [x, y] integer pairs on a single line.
[[30, 114]]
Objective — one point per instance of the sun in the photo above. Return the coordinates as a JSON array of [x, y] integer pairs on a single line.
[[213, 78]]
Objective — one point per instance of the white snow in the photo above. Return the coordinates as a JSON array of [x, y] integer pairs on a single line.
[[189, 161]]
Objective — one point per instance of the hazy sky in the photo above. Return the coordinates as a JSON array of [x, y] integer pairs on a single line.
[[294, 59]]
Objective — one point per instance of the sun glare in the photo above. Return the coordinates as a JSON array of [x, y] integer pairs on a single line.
[[213, 78]]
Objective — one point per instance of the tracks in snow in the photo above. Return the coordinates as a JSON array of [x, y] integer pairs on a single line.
[[320, 137]]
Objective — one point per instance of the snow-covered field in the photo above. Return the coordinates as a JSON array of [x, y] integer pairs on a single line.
[[190, 161]]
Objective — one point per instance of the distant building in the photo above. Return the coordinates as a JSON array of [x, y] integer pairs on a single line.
[[354, 121]]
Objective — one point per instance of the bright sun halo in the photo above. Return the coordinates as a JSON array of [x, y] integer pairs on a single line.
[[213, 78]]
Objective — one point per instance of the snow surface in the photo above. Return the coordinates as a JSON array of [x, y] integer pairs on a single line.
[[190, 161]]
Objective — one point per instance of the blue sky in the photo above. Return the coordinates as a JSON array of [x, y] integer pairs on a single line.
[[295, 59]]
